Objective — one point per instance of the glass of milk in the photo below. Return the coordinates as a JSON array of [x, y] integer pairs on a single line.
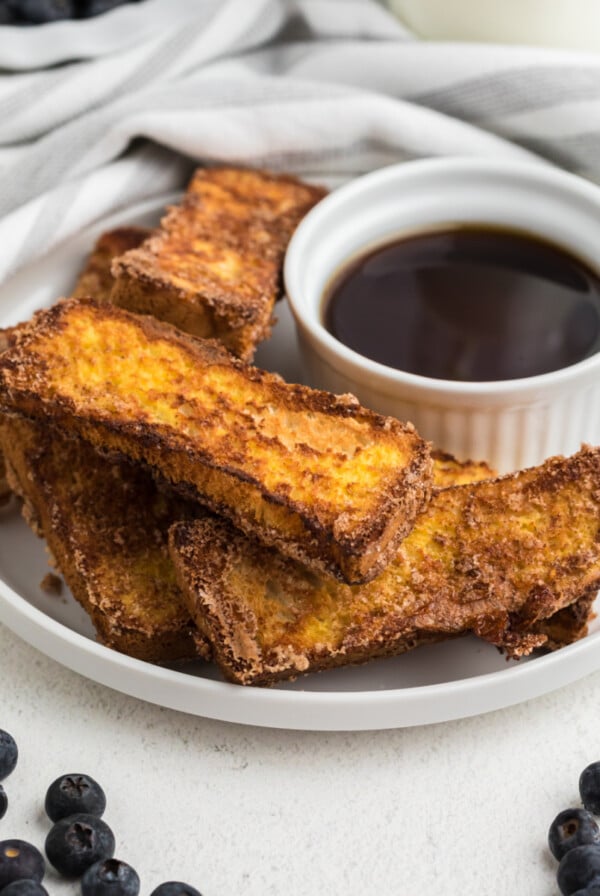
[[570, 24]]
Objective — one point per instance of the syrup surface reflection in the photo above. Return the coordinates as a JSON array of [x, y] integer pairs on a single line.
[[471, 304]]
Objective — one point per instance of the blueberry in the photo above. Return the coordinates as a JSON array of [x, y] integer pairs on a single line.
[[20, 861], [573, 827], [110, 877], [73, 794], [24, 888], [98, 7], [76, 842], [8, 754], [7, 16], [40, 11], [579, 868], [589, 787], [173, 888], [3, 802]]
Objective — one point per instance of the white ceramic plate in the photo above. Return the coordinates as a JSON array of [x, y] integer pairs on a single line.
[[432, 684], [24, 47]]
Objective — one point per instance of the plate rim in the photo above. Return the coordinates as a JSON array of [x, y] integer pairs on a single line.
[[300, 710]]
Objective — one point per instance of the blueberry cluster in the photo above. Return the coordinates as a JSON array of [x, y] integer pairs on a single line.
[[37, 12], [8, 760], [79, 844], [574, 839]]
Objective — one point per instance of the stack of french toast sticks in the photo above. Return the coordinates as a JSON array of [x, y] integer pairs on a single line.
[[198, 506]]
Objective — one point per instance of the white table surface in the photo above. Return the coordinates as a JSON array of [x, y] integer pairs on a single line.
[[456, 808]]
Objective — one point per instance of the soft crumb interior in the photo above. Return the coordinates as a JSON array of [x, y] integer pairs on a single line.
[[296, 609], [109, 367]]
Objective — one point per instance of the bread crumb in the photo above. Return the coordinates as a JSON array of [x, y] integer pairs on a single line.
[[51, 584]]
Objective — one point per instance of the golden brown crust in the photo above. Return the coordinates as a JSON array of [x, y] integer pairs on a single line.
[[5, 342], [4, 486], [106, 526], [494, 558], [570, 624], [214, 267], [96, 279], [448, 471], [316, 475]]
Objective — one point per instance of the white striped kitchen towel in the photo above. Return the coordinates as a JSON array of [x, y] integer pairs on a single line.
[[316, 87]]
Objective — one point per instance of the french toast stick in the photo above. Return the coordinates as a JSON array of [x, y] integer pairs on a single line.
[[321, 478], [494, 558], [96, 279], [214, 267], [106, 527]]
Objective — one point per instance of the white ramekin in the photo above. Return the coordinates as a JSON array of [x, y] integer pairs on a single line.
[[512, 423]]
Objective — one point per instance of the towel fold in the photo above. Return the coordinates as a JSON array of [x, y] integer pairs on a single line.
[[321, 88]]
